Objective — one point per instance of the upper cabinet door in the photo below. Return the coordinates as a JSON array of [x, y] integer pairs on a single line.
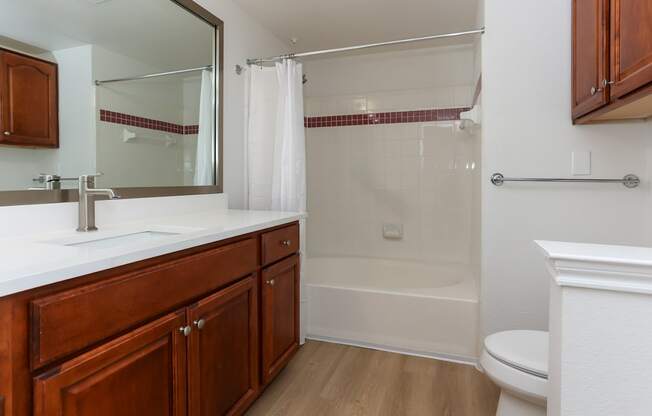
[[28, 101], [140, 373], [631, 45], [280, 315], [589, 56], [223, 355]]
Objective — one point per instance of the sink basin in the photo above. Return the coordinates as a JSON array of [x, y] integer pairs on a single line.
[[116, 238], [109, 242]]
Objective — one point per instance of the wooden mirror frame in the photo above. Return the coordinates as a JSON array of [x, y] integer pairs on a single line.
[[26, 197]]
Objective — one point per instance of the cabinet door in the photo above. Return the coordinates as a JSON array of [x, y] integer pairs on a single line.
[[140, 373], [590, 53], [280, 315], [223, 354], [28, 101], [631, 45]]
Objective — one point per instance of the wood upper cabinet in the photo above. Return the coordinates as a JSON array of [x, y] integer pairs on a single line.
[[590, 49], [280, 315], [223, 354], [631, 45], [612, 60], [141, 373], [28, 101]]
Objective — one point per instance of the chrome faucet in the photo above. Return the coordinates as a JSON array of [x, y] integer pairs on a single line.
[[87, 193]]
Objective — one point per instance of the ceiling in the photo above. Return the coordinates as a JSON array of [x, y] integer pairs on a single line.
[[156, 32], [319, 24]]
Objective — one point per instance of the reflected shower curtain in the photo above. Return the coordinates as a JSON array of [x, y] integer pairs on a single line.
[[205, 150]]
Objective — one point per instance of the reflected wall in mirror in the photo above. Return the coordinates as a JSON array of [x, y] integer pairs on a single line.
[[129, 89]]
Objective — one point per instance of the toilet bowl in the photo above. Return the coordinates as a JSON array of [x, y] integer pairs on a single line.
[[517, 361]]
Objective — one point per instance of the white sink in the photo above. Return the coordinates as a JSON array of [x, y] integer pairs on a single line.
[[109, 242], [111, 239]]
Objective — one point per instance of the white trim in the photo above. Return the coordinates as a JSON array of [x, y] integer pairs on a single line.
[[612, 268], [458, 359]]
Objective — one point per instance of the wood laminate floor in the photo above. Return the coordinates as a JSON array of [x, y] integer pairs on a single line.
[[338, 380]]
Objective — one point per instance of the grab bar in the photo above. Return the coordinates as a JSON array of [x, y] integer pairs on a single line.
[[629, 181]]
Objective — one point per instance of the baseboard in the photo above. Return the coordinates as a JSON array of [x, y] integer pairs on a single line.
[[435, 356]]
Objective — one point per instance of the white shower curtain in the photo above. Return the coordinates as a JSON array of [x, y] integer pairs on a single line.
[[205, 150], [275, 173], [275, 146], [289, 167]]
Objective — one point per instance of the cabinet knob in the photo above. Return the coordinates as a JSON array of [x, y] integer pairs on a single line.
[[607, 82], [271, 282], [286, 243], [593, 90], [185, 330], [199, 323], [7, 133]]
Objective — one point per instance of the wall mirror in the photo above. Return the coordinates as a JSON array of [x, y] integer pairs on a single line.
[[131, 89]]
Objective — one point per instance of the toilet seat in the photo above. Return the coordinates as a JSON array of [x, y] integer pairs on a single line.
[[518, 361]]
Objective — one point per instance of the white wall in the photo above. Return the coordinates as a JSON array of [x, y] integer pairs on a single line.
[[527, 131], [244, 38], [76, 154], [390, 81]]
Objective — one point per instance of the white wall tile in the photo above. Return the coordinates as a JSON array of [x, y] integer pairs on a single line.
[[413, 174]]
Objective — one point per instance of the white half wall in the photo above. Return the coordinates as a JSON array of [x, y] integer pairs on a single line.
[[527, 131], [244, 38]]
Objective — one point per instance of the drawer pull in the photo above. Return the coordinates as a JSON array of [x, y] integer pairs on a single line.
[[286, 243], [200, 323], [185, 330], [271, 282], [7, 133]]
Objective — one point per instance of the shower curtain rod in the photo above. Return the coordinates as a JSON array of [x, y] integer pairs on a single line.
[[159, 74], [260, 61]]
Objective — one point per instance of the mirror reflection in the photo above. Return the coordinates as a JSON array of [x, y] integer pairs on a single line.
[[92, 86]]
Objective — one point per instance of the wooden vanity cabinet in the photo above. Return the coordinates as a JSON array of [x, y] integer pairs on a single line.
[[280, 315], [28, 101], [141, 373], [612, 60], [182, 334], [223, 358]]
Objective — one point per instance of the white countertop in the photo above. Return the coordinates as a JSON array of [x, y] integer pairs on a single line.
[[38, 260]]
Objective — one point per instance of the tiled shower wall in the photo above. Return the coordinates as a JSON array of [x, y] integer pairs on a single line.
[[418, 175]]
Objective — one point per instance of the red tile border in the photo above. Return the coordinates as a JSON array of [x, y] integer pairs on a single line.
[[146, 123], [414, 116]]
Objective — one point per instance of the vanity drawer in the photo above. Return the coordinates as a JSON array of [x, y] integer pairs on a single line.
[[75, 319], [280, 243]]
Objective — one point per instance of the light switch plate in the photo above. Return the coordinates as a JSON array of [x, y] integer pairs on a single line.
[[581, 163]]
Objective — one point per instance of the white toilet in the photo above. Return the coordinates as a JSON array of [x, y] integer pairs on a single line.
[[517, 361]]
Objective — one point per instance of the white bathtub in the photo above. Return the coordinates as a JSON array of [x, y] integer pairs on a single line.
[[408, 307]]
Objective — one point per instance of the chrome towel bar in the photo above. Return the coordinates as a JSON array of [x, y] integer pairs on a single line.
[[629, 181]]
